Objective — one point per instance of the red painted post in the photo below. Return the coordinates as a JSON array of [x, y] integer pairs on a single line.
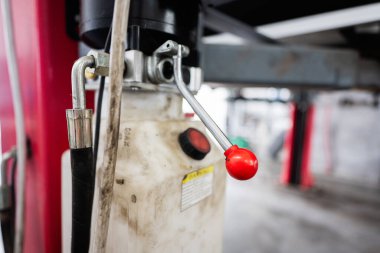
[[45, 54], [289, 164]]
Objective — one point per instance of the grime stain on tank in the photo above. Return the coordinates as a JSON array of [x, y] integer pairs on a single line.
[[168, 104], [126, 136], [157, 207]]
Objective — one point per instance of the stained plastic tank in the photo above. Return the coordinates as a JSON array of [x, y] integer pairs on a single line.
[[164, 201]]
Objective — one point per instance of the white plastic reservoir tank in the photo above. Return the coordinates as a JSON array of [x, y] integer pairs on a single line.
[[164, 200]]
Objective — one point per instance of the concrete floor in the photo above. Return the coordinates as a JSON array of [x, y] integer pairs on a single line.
[[334, 217]]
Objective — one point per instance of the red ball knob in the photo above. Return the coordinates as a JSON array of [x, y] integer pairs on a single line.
[[241, 163]]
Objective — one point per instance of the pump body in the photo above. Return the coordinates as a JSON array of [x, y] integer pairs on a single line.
[[164, 200]]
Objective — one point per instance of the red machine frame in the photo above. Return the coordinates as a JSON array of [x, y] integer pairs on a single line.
[[45, 55]]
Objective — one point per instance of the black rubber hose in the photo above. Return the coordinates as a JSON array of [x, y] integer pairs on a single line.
[[83, 169], [7, 216], [100, 102], [83, 181], [6, 230]]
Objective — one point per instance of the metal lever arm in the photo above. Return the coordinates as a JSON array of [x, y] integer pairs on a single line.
[[198, 109], [241, 163]]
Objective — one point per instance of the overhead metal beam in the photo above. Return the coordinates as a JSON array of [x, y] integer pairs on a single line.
[[288, 66], [333, 20], [221, 22], [368, 75]]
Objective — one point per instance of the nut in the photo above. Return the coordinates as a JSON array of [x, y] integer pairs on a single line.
[[90, 74]]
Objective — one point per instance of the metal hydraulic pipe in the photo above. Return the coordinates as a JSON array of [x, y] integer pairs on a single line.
[[78, 80], [79, 123], [198, 109], [19, 122], [79, 118]]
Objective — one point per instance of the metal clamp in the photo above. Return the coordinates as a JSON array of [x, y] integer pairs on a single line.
[[198, 109]]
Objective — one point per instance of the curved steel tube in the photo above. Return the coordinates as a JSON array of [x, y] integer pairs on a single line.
[[198, 109], [78, 80], [19, 122]]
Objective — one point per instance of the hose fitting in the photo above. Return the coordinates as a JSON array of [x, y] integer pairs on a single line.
[[79, 119], [79, 122], [82, 168]]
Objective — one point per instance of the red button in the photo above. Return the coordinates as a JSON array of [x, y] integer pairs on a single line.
[[194, 143], [198, 140]]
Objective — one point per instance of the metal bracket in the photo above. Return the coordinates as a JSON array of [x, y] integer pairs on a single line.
[[160, 62], [155, 72], [102, 63]]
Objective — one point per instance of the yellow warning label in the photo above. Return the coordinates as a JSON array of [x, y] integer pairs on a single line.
[[197, 174], [196, 186]]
